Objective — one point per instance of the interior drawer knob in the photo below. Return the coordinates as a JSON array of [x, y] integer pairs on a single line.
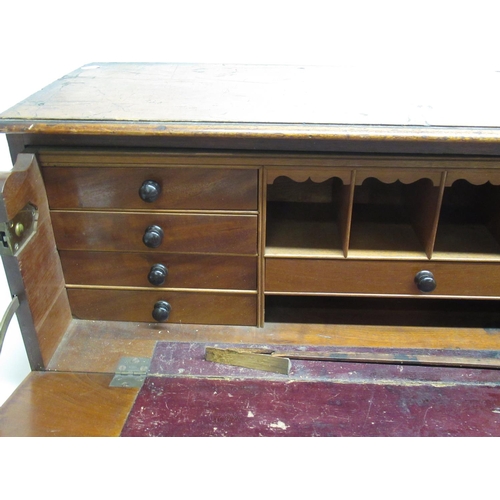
[[157, 274], [161, 311], [149, 191], [153, 236], [425, 281]]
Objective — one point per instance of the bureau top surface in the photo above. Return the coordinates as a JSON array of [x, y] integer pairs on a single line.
[[262, 100]]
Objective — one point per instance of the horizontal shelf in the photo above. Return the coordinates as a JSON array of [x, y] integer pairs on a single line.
[[370, 240], [465, 242], [288, 238], [459, 313]]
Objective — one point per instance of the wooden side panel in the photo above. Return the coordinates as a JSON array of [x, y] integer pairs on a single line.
[[39, 270], [104, 231], [181, 188], [187, 307]]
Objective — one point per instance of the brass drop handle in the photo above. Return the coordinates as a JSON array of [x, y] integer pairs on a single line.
[[149, 191], [157, 274], [161, 311], [425, 281], [153, 236]]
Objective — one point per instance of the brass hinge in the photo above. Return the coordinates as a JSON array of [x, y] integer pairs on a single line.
[[15, 233], [130, 372]]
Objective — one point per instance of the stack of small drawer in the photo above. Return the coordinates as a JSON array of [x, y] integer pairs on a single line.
[[154, 237]]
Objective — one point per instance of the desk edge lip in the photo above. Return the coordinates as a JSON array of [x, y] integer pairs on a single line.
[[239, 130]]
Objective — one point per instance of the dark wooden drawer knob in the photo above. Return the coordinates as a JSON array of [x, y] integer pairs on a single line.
[[161, 311], [425, 281], [149, 191], [153, 236], [157, 274]]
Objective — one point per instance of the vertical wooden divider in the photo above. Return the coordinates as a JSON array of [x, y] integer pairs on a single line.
[[494, 223], [261, 262], [345, 212], [492, 206], [425, 206]]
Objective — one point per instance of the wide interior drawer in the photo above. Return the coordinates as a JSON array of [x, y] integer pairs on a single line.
[[114, 231], [182, 270], [344, 276], [186, 188], [187, 307]]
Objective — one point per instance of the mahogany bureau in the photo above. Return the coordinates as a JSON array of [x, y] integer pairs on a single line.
[[251, 204]]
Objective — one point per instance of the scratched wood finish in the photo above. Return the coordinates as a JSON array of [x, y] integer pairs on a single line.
[[325, 398], [222, 308], [265, 359], [181, 188], [201, 233], [344, 276], [214, 407], [254, 94], [184, 270], [66, 405], [38, 262], [170, 357], [315, 398], [96, 346]]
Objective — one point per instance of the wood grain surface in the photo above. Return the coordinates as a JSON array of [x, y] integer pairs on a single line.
[[115, 231], [66, 405], [223, 308], [35, 273], [181, 188], [114, 152], [130, 94], [159, 104], [345, 276], [184, 270], [97, 346]]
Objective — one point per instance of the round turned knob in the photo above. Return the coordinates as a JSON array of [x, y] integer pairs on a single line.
[[149, 191], [153, 236], [157, 274], [161, 311], [425, 281]]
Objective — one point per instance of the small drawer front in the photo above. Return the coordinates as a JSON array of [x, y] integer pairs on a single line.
[[112, 231], [381, 277], [145, 270], [186, 307], [171, 188]]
